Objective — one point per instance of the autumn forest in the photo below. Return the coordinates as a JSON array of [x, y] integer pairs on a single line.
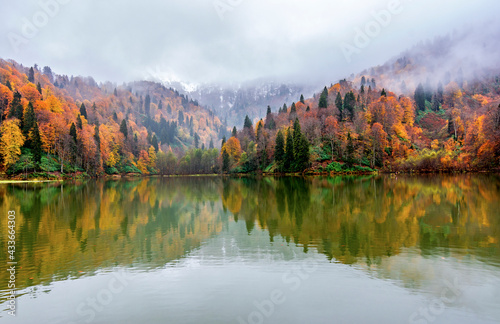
[[56, 126]]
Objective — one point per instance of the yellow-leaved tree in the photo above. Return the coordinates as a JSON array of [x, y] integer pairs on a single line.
[[11, 141]]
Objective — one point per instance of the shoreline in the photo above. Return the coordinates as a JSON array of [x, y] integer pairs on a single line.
[[309, 173]]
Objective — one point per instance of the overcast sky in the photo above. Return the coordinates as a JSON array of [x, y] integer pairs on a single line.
[[223, 40]]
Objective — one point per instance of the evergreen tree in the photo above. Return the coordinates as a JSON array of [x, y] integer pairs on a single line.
[[8, 85], [289, 157], [36, 143], [16, 107], [72, 132], [247, 123], [293, 109], [296, 136], [196, 140], [363, 81], [115, 116], [154, 143], [39, 88], [383, 93], [340, 107], [428, 90], [211, 145], [147, 104], [420, 97], [83, 111], [169, 109], [302, 99], [440, 93], [160, 105], [279, 149], [349, 105], [308, 108], [349, 151], [234, 133], [115, 93], [435, 102], [79, 122], [284, 109], [31, 75], [223, 141], [97, 136], [302, 156], [180, 118], [268, 110], [323, 99], [29, 121], [124, 128]]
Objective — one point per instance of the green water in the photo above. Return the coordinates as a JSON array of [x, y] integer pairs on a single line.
[[405, 249]]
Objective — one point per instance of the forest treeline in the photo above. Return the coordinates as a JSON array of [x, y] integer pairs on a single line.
[[53, 124]]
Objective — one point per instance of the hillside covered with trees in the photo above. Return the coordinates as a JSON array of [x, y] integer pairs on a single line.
[[54, 125]]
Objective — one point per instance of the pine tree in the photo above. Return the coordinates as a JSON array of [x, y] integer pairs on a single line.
[[29, 122], [234, 132], [123, 128], [247, 123], [39, 88], [349, 105], [284, 109], [440, 93], [279, 149], [160, 105], [196, 140], [154, 143], [302, 99], [293, 108], [223, 141], [308, 108], [296, 136], [340, 106], [289, 157], [383, 93], [268, 110], [31, 75], [36, 143], [302, 156], [420, 97], [147, 104], [211, 145], [79, 122], [16, 107], [323, 99], [72, 132], [83, 111], [8, 85]]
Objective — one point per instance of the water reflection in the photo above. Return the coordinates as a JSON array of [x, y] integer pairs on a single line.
[[72, 230]]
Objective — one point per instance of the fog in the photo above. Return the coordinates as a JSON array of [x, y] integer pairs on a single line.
[[228, 41]]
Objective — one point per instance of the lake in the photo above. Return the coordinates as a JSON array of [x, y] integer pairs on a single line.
[[352, 249]]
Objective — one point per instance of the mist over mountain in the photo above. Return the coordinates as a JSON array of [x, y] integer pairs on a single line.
[[461, 56]]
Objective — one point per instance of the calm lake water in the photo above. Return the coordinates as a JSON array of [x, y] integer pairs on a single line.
[[405, 249]]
